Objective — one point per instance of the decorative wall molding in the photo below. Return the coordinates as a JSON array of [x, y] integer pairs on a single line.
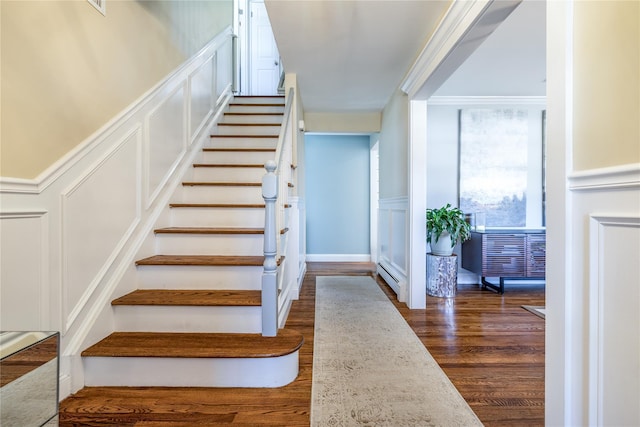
[[463, 28], [201, 96], [393, 217], [165, 140], [459, 16], [82, 217], [613, 318], [610, 178], [26, 269], [487, 100], [91, 216]]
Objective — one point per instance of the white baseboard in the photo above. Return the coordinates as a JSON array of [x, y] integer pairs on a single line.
[[338, 258]]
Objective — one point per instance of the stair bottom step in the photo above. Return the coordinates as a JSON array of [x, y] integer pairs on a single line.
[[191, 372], [195, 345], [133, 359]]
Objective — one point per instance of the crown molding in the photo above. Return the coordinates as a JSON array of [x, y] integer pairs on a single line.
[[540, 101]]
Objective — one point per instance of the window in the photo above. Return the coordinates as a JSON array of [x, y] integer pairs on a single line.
[[501, 166]]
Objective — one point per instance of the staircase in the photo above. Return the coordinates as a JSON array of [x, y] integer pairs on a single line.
[[196, 319]]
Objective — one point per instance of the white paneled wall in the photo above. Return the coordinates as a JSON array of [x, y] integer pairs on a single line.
[[392, 250], [24, 265], [605, 294], [69, 238], [90, 239]]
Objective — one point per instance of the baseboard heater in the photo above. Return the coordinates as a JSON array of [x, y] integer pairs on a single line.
[[389, 278]]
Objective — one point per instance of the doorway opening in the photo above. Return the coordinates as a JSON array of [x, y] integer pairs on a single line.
[[257, 60]]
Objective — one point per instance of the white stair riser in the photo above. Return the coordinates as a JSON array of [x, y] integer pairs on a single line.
[[154, 318], [200, 277], [248, 130], [237, 157], [258, 99], [226, 174], [230, 142], [190, 372], [253, 118], [210, 244], [217, 217], [255, 109], [222, 194]]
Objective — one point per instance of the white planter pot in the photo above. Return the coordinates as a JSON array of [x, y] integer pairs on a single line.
[[443, 246]]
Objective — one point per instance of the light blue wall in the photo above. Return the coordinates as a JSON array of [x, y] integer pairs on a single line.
[[337, 194]]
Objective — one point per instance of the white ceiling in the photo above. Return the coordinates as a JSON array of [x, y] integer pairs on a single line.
[[351, 55], [510, 62]]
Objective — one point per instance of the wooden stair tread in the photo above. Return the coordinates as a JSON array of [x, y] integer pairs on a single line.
[[239, 149], [209, 230], [259, 96], [227, 165], [244, 136], [231, 113], [204, 260], [257, 104], [218, 205], [213, 230], [196, 345], [207, 298], [249, 124], [220, 184]]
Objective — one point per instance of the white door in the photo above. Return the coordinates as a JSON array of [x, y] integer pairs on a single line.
[[265, 60]]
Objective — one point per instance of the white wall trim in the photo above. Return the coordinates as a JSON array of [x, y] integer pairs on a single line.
[[599, 263], [459, 17], [610, 178], [417, 233], [338, 257], [75, 344], [393, 257], [75, 282], [70, 314], [152, 193], [44, 285], [488, 100], [46, 178]]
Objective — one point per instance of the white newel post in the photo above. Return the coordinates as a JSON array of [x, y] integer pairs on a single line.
[[269, 275]]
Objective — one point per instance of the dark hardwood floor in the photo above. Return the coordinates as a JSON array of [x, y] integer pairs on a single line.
[[491, 349]]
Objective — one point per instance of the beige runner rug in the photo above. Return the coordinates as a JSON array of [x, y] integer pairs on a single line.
[[370, 369]]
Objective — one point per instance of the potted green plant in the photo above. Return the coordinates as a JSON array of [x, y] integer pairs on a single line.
[[446, 227]]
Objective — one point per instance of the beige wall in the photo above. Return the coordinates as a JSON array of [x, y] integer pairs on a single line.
[[394, 143], [67, 69], [607, 98], [342, 122]]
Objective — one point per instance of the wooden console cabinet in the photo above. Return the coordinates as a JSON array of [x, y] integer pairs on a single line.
[[506, 254]]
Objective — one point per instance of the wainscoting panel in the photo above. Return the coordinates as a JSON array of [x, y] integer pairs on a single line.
[[165, 142], [614, 320], [70, 237], [224, 70], [91, 239], [603, 296], [201, 96], [24, 278], [392, 241]]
